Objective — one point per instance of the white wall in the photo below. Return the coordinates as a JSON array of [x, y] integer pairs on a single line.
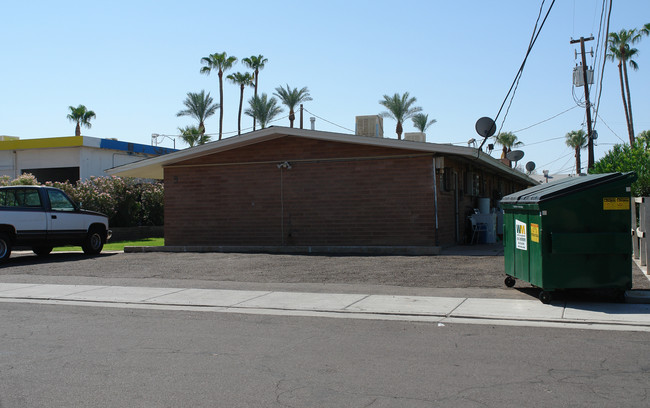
[[91, 161]]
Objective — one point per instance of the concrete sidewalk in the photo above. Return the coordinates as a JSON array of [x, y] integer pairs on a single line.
[[440, 310]]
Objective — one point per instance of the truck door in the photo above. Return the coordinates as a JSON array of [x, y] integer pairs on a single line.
[[63, 219]]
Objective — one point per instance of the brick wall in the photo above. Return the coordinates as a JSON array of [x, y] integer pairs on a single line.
[[334, 194]]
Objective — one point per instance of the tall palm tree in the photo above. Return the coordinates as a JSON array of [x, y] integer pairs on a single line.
[[199, 106], [243, 80], [400, 108], [292, 97], [620, 48], [508, 140], [263, 109], [219, 62], [577, 139], [421, 122], [81, 116], [193, 136], [256, 63]]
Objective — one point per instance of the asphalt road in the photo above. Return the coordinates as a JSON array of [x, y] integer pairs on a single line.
[[67, 356]]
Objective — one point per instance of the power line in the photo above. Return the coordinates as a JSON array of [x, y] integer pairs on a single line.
[[610, 129], [515, 82], [545, 120], [331, 123], [559, 158], [602, 70], [543, 141]]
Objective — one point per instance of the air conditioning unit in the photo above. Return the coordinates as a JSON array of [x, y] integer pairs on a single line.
[[415, 137], [369, 126]]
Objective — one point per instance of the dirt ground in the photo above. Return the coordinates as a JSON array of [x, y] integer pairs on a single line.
[[447, 271]]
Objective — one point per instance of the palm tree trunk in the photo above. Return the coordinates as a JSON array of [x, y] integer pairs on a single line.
[[629, 105], [241, 101], [292, 117], [627, 116], [399, 130], [578, 160], [77, 130], [220, 103], [257, 72]]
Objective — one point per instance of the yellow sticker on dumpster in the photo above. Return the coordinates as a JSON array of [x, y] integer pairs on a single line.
[[534, 232], [616, 203]]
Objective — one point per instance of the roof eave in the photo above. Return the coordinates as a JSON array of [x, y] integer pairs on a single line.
[[154, 167]]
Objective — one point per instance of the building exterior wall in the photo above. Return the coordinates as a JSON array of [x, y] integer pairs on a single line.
[[333, 194], [88, 156]]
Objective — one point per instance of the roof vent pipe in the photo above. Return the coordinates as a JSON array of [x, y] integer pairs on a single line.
[[313, 123]]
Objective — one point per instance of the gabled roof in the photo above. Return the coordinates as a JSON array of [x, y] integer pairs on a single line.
[[153, 167]]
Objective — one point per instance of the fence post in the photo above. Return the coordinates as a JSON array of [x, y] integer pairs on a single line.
[[644, 222], [635, 237]]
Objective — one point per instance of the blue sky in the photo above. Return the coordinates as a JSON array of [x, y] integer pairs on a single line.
[[132, 62]]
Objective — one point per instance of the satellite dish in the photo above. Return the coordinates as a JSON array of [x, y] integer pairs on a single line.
[[486, 127], [515, 155], [530, 166]]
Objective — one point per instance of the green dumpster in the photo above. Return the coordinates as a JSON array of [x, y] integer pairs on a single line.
[[570, 234]]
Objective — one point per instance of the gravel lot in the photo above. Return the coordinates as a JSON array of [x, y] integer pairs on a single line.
[[306, 272]]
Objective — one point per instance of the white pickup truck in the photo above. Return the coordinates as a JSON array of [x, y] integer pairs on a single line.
[[44, 217]]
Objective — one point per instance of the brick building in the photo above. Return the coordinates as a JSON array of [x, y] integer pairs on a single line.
[[293, 187]]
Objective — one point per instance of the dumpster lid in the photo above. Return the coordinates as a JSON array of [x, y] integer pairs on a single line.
[[549, 191]]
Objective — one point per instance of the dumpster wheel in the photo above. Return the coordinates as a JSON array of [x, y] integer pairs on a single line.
[[545, 297], [510, 281]]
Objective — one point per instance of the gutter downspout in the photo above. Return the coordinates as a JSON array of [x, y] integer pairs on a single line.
[[435, 199], [15, 164]]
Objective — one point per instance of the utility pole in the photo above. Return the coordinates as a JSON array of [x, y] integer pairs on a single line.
[[590, 145]]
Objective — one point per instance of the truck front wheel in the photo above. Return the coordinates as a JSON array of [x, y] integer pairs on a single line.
[[93, 243], [5, 247]]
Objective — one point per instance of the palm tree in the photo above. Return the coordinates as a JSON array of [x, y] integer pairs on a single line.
[[577, 139], [255, 63], [291, 98], [82, 116], [193, 136], [620, 49], [243, 80], [220, 62], [508, 140], [199, 106], [400, 109], [421, 122], [263, 109]]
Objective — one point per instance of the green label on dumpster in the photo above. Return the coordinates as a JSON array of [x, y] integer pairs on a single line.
[[520, 235], [616, 203]]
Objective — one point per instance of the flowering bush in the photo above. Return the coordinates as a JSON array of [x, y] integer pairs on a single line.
[[127, 202]]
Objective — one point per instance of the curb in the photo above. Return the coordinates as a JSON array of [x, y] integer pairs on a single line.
[[343, 250]]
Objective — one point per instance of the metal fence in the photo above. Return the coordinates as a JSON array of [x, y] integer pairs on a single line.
[[641, 229]]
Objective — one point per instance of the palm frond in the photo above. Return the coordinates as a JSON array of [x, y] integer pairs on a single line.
[[292, 97], [263, 109]]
